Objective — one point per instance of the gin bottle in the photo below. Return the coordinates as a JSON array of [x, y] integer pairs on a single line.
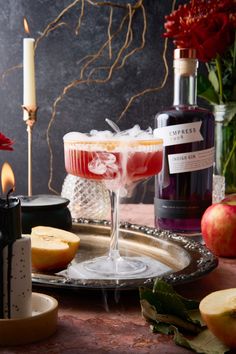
[[183, 190]]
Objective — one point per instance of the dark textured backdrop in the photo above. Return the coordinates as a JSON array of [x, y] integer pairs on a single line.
[[58, 62]]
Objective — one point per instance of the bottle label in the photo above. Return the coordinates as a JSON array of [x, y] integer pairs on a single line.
[[180, 209], [179, 133], [191, 161]]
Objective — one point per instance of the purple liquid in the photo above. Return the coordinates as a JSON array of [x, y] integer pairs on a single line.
[[182, 198]]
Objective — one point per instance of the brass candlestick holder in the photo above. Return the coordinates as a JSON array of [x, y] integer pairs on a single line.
[[30, 118], [42, 209]]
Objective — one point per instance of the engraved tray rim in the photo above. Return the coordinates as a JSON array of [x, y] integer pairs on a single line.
[[202, 261]]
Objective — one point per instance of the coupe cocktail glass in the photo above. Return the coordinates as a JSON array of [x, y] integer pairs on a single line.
[[120, 161]]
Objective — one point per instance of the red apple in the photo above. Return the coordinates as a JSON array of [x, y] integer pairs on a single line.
[[219, 227]]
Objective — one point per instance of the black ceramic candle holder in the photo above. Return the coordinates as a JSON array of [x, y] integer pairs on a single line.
[[45, 210]]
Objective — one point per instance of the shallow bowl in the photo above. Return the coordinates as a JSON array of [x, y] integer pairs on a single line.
[[40, 325]]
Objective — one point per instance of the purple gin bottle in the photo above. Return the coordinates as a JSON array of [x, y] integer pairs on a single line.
[[183, 189]]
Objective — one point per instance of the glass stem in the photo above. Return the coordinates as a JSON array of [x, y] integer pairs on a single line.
[[115, 220]]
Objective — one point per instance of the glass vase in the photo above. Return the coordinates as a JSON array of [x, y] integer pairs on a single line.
[[88, 199], [225, 144]]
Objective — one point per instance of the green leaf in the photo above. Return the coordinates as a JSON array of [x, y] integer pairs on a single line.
[[231, 112], [149, 296], [214, 80], [149, 312], [164, 304], [234, 93], [206, 90], [162, 286], [205, 342]]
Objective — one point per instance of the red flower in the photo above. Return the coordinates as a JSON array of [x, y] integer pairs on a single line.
[[206, 25], [5, 143]]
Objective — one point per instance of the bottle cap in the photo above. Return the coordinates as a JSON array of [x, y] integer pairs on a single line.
[[185, 61], [184, 53]]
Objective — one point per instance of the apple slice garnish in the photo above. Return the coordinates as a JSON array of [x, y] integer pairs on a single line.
[[230, 199], [52, 249], [218, 310]]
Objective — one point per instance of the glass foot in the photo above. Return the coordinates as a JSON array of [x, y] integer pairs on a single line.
[[120, 268], [115, 267]]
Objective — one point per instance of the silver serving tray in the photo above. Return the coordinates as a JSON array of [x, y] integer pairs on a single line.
[[188, 259]]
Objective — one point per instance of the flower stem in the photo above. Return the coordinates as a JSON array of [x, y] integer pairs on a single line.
[[207, 66], [229, 158], [219, 74], [234, 53]]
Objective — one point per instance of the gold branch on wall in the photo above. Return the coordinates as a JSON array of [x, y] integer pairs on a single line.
[[118, 62], [90, 70]]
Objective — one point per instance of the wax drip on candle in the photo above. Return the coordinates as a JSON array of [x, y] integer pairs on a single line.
[[8, 195], [6, 171], [9, 269], [10, 231]]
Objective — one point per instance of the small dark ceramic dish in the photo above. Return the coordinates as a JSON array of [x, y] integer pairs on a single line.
[[45, 210]]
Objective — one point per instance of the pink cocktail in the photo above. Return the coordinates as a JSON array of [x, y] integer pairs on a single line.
[[120, 162], [124, 161]]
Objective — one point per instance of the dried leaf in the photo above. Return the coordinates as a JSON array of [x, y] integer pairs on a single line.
[[205, 342], [170, 313]]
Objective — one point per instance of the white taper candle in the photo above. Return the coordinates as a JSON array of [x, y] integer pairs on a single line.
[[29, 99]]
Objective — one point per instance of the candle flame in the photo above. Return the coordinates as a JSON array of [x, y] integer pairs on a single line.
[[26, 26], [7, 178]]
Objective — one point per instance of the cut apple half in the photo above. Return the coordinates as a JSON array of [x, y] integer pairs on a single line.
[[218, 310], [52, 249]]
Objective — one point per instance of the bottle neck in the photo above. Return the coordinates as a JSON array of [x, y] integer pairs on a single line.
[[185, 82]]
